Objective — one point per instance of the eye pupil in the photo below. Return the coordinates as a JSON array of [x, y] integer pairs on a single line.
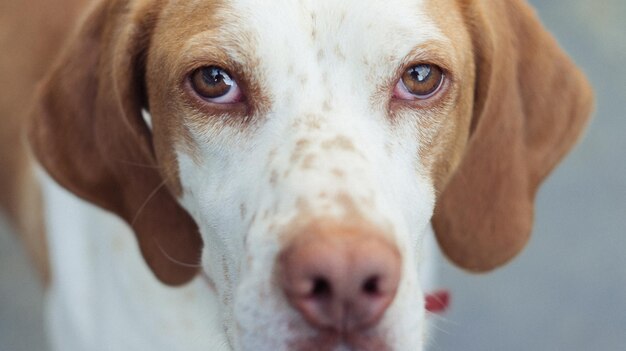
[[216, 76], [420, 73]]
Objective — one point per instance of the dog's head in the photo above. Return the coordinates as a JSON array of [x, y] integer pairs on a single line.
[[308, 144]]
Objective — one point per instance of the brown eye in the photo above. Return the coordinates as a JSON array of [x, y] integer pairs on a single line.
[[420, 81], [215, 84]]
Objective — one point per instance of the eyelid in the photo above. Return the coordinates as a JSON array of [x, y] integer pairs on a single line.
[[434, 52], [408, 96], [235, 95]]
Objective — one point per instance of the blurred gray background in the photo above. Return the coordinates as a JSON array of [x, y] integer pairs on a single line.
[[567, 291]]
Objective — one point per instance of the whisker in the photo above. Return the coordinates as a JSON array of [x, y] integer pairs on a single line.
[[145, 203], [183, 264], [136, 164], [440, 319], [210, 282], [438, 328], [434, 328]]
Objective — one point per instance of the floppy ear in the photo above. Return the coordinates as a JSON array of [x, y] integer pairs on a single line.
[[88, 133], [531, 104]]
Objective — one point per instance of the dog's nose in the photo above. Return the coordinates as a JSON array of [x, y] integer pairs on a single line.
[[340, 279]]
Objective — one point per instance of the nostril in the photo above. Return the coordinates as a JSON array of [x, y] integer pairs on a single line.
[[371, 286], [321, 288], [340, 279]]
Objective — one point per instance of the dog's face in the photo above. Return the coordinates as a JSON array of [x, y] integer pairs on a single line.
[[281, 116], [310, 143]]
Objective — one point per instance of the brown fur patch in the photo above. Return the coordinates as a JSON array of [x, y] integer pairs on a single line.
[[88, 133], [23, 63], [530, 105]]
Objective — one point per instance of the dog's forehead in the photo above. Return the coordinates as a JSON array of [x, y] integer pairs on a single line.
[[355, 27], [283, 34], [326, 20]]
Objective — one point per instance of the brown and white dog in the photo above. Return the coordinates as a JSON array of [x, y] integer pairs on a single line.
[[279, 162]]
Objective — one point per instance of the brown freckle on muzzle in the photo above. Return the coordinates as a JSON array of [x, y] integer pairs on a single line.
[[273, 177], [307, 162], [340, 142], [271, 156], [339, 53], [326, 106], [338, 173], [303, 205], [301, 146], [303, 79], [312, 123], [389, 149], [320, 55]]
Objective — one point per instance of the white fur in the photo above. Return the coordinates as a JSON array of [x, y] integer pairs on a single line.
[[104, 297], [329, 80]]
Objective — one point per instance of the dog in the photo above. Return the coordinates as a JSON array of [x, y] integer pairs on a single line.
[[262, 175]]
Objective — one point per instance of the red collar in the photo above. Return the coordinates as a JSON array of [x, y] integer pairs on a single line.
[[438, 301]]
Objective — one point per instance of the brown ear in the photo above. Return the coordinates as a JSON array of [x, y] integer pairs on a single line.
[[87, 131], [531, 104]]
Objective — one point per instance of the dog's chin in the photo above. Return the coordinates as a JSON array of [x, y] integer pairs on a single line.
[[334, 341]]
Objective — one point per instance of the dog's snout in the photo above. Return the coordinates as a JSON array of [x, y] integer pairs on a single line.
[[340, 278]]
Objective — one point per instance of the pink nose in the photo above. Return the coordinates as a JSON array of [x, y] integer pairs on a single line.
[[340, 278]]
